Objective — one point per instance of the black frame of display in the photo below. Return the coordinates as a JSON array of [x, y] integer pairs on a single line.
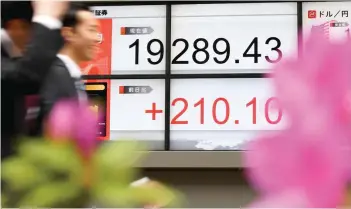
[[168, 76]]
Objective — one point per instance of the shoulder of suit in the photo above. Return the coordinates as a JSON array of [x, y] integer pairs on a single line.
[[58, 67], [58, 62]]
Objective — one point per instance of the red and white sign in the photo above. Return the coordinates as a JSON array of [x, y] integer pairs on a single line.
[[332, 19]]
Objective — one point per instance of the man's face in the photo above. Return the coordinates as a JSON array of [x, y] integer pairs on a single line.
[[86, 39], [19, 31]]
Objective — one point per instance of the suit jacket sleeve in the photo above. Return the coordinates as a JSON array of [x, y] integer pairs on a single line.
[[37, 58]]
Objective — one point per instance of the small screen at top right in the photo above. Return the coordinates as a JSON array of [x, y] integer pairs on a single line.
[[331, 19]]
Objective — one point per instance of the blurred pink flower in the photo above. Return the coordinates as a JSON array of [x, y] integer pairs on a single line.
[[284, 199], [60, 125], [262, 166], [317, 83], [311, 155], [311, 163], [86, 130], [70, 120]]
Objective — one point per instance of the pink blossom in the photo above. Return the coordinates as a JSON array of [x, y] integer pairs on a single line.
[[286, 199], [70, 120], [320, 78], [312, 154], [86, 130], [316, 89], [313, 163], [60, 125], [263, 167]]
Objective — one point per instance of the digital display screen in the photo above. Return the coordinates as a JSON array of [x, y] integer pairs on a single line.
[[134, 37], [332, 19], [137, 111], [205, 114], [232, 38], [222, 113], [98, 97]]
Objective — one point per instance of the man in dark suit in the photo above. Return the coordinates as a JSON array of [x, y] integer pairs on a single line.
[[24, 66], [80, 34]]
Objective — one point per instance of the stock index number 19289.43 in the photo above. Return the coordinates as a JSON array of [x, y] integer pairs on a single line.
[[221, 54]]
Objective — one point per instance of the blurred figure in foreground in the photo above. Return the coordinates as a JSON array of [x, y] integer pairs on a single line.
[[23, 67], [307, 164], [80, 34]]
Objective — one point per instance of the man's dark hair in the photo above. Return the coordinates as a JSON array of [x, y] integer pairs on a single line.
[[15, 10], [71, 18]]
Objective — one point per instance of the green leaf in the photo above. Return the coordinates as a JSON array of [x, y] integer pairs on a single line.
[[52, 156], [160, 196], [52, 194], [112, 195], [3, 200], [121, 176], [116, 161], [19, 174], [121, 153]]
